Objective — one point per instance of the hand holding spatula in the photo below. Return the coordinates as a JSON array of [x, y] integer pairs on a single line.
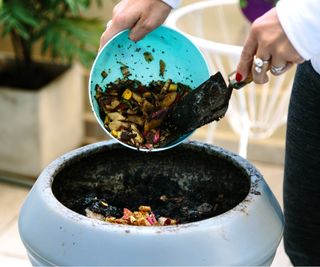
[[208, 102]]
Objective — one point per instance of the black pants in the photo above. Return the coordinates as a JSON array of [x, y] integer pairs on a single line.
[[302, 170]]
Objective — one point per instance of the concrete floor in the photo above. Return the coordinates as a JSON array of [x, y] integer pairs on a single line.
[[12, 252]]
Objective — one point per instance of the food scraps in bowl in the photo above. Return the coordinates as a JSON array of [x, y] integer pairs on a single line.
[[143, 217], [133, 112]]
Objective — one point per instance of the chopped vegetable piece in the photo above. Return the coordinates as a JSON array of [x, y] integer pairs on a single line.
[[127, 94], [126, 213], [139, 138], [166, 86], [125, 71], [116, 134], [116, 116], [147, 94], [127, 103], [94, 215], [129, 108], [145, 208], [98, 88], [173, 87], [137, 97], [127, 136], [115, 125], [162, 67], [99, 92], [159, 113], [104, 74], [106, 120], [132, 111], [169, 99], [152, 124], [143, 217], [104, 203], [136, 119], [114, 103], [163, 198], [148, 146], [147, 106], [156, 137], [148, 56]]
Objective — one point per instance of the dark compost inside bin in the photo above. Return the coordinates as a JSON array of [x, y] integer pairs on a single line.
[[187, 183]]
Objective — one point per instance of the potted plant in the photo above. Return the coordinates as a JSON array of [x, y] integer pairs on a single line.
[[41, 103]]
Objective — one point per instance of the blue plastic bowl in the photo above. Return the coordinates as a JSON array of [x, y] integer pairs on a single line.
[[184, 63]]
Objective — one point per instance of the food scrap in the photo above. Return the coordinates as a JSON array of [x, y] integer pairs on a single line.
[[162, 66], [125, 71], [148, 56], [104, 74], [143, 217], [133, 112]]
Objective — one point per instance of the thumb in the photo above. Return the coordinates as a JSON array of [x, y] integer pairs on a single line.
[[109, 32], [118, 23]]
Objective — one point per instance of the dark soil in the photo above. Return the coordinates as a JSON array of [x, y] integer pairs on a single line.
[[183, 184], [33, 77]]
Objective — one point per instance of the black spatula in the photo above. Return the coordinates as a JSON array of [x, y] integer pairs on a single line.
[[208, 102]]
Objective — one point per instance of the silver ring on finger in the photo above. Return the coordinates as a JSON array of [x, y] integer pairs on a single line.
[[258, 64], [258, 69], [277, 70]]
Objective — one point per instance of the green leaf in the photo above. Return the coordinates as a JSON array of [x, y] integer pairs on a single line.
[[56, 24], [243, 4], [72, 38], [77, 5], [14, 16], [24, 15]]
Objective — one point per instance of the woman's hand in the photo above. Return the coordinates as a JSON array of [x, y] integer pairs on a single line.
[[141, 16], [267, 47]]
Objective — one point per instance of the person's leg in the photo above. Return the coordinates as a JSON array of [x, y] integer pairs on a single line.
[[302, 170]]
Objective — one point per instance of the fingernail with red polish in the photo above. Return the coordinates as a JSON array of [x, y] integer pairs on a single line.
[[238, 77]]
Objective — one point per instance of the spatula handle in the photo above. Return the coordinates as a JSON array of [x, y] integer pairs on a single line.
[[238, 85]]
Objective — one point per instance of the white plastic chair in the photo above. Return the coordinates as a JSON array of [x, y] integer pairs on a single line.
[[218, 28]]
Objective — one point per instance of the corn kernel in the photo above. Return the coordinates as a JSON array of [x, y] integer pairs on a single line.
[[173, 87], [127, 94], [115, 133]]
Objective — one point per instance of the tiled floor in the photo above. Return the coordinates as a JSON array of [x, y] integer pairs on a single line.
[[273, 175], [12, 252]]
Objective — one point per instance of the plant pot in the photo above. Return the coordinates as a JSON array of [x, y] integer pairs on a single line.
[[246, 233], [39, 125]]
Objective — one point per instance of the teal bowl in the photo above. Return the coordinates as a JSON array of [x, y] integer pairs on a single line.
[[184, 63]]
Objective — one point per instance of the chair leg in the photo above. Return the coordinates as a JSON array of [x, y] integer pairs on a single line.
[[210, 133], [244, 138]]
